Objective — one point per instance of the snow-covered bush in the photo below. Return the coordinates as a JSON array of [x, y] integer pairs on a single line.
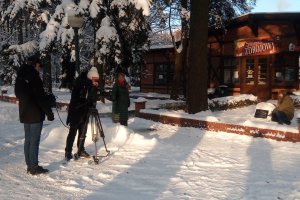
[[231, 102], [222, 103]]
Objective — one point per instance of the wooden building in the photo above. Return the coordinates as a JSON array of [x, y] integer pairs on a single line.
[[258, 54], [159, 70]]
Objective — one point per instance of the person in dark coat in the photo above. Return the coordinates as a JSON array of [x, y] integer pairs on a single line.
[[33, 105], [81, 100], [284, 112], [120, 98]]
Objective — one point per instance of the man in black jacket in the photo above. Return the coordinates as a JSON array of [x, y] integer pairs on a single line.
[[82, 98], [33, 105]]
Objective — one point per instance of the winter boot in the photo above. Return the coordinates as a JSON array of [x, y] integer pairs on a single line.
[[83, 154], [68, 156], [37, 170]]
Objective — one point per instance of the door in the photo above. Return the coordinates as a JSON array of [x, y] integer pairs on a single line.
[[257, 77]]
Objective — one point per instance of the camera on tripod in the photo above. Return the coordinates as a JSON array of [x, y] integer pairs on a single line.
[[51, 99], [93, 119], [94, 94]]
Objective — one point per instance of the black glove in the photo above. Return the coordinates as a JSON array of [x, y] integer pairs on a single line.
[[50, 117]]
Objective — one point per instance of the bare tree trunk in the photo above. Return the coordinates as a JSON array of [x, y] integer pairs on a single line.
[[47, 68], [197, 60], [179, 64], [180, 56], [47, 73], [20, 32]]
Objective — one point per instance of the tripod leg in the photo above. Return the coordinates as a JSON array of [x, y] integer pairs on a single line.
[[95, 157], [107, 151], [99, 125]]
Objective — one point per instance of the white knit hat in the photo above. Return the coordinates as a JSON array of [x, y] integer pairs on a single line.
[[93, 73]]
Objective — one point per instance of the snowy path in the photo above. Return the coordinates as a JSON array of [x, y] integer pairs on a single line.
[[150, 161]]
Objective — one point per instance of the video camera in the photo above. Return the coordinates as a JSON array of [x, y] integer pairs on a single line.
[[94, 94], [51, 100]]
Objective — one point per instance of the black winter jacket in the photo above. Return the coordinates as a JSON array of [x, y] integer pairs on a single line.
[[80, 102], [33, 102]]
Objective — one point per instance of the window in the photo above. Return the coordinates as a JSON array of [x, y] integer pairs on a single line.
[[262, 71], [231, 73], [286, 69], [249, 72], [163, 74]]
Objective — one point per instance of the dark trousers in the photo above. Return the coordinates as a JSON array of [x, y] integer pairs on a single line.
[[32, 143], [280, 117], [71, 137]]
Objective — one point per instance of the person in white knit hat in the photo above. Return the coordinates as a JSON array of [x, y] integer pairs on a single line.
[[93, 73], [83, 91]]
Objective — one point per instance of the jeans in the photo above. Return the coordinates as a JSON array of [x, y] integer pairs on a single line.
[[280, 117], [72, 135], [32, 143]]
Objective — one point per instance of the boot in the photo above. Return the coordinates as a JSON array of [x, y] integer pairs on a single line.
[[83, 154], [68, 156], [37, 170]]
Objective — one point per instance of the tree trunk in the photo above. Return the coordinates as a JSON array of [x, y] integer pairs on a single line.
[[20, 32], [180, 56], [197, 60], [179, 64], [47, 67], [47, 73]]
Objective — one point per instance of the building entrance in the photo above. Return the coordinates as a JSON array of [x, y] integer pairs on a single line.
[[256, 79]]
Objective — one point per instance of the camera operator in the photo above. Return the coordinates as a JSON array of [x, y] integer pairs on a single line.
[[84, 96]]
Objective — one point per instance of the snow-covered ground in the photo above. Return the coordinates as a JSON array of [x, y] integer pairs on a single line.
[[150, 160]]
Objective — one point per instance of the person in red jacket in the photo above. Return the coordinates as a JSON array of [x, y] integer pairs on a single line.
[[33, 106]]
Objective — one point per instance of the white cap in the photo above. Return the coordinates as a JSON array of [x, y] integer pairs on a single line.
[[93, 73]]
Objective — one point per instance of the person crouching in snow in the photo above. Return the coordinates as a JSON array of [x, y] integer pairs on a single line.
[[78, 110], [120, 98], [284, 111]]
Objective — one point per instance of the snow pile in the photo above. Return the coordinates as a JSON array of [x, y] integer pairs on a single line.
[[115, 136], [122, 135], [140, 99]]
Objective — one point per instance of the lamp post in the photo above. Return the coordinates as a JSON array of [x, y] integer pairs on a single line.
[[76, 22]]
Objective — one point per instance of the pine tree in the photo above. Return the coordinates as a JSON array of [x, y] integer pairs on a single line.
[[49, 21], [119, 38], [22, 20]]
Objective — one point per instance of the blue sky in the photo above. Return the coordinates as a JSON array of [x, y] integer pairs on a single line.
[[277, 6]]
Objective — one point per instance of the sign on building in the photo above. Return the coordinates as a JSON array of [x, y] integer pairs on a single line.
[[254, 47]]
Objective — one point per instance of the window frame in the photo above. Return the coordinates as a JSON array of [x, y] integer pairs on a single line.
[[233, 67], [167, 72], [282, 63]]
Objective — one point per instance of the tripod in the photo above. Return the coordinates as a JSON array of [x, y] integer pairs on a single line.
[[93, 119]]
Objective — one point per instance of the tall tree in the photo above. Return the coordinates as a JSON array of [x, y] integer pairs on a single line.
[[219, 13], [26, 18], [119, 26], [197, 60]]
